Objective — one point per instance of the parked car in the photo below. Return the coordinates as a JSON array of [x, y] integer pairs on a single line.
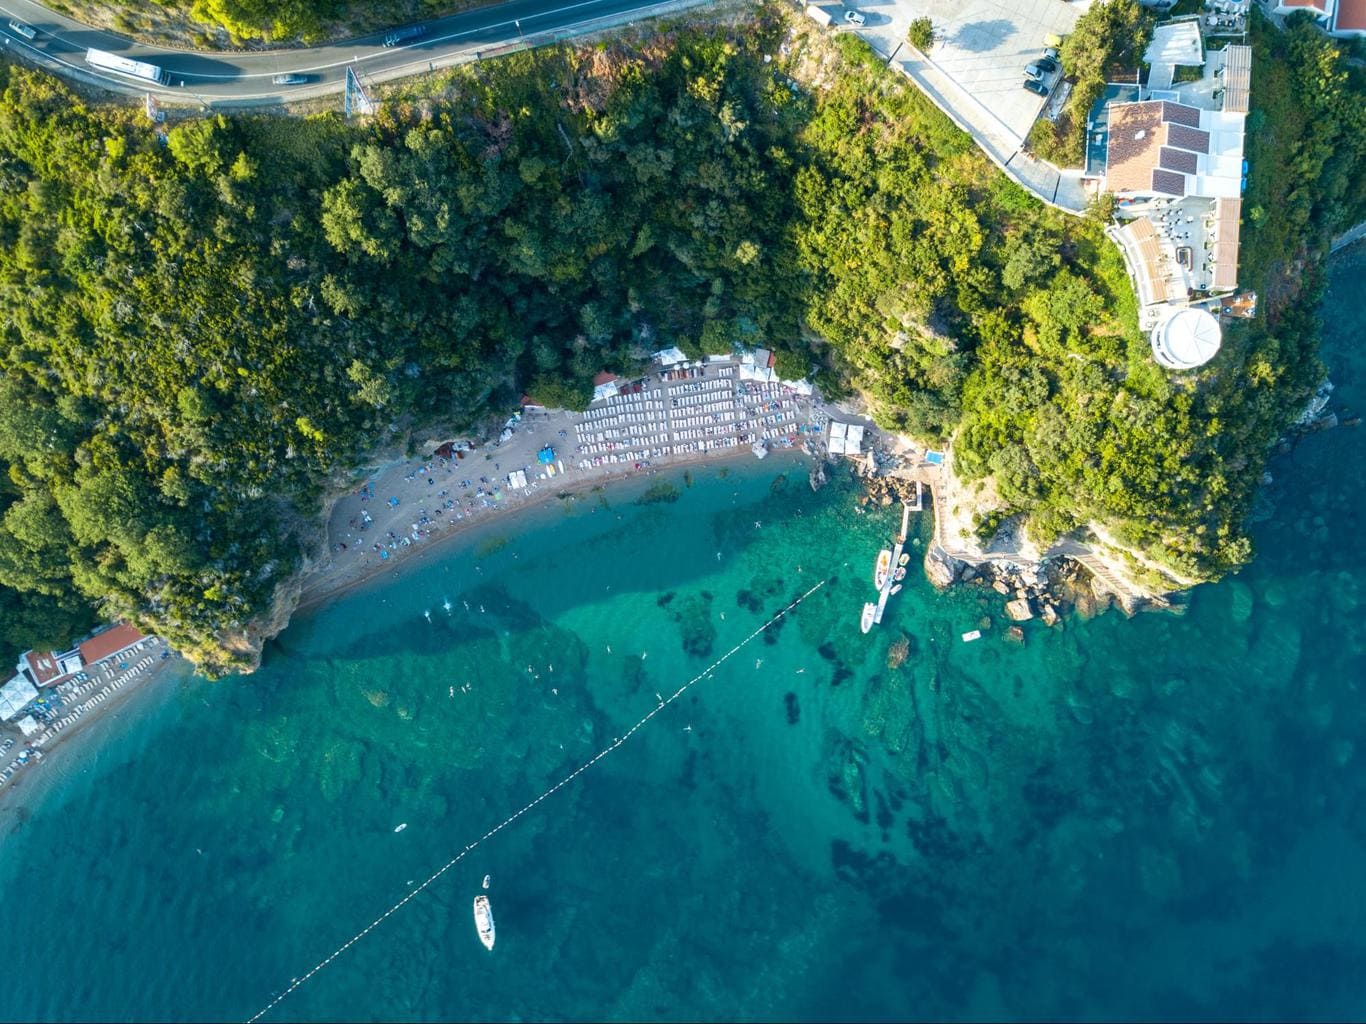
[[1051, 53], [289, 80], [1036, 86], [854, 18], [402, 35], [23, 30], [1039, 68]]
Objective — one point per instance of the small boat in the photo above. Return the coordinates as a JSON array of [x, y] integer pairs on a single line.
[[971, 635], [883, 567], [486, 881], [899, 575], [866, 622], [896, 589], [400, 826], [903, 559], [483, 920]]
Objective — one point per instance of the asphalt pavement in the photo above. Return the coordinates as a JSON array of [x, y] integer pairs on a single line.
[[244, 79]]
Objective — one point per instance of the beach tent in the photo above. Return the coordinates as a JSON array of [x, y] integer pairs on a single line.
[[28, 725], [15, 695], [546, 455], [669, 356]]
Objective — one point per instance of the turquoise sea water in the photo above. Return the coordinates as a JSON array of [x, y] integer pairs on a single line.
[[1158, 817]]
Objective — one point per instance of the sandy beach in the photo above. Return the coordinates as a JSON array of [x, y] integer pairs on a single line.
[[404, 507]]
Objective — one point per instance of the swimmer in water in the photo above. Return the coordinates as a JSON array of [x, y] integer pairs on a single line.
[[758, 662]]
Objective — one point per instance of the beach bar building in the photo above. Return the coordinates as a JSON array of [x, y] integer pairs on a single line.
[[606, 385], [48, 668], [108, 643]]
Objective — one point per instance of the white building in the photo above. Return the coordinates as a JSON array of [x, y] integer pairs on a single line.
[[1185, 338]]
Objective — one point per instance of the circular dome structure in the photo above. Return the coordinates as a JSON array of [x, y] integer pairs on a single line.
[[1186, 339]]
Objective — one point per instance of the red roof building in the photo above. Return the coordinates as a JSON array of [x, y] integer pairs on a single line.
[[112, 641], [1350, 18], [48, 668]]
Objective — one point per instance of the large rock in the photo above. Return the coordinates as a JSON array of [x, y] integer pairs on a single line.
[[939, 568], [1019, 610]]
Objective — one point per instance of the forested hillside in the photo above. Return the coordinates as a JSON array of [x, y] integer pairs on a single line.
[[197, 333]]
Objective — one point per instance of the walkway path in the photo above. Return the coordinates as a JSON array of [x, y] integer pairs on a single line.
[[1000, 139]]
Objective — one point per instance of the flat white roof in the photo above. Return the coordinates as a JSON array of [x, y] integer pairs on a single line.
[[1176, 43]]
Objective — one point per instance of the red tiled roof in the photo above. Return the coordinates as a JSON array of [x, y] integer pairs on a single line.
[[111, 641], [1351, 16], [43, 666], [604, 378], [1317, 5]]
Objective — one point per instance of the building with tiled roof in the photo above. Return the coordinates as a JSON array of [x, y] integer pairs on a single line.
[[1158, 148], [106, 644], [1349, 18], [48, 668], [1342, 18]]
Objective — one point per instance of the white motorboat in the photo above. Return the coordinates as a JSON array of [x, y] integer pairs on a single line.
[[483, 920], [883, 567], [869, 611]]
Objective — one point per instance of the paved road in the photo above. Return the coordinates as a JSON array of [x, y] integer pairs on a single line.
[[244, 79]]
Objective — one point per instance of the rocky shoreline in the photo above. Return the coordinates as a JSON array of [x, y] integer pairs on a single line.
[[1048, 586]]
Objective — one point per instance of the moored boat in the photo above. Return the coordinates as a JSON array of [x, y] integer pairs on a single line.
[[866, 622], [483, 920], [883, 567], [903, 559]]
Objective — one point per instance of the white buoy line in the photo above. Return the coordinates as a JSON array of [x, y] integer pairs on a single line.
[[296, 983]]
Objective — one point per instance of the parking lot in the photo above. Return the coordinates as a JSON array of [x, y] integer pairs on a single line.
[[982, 46]]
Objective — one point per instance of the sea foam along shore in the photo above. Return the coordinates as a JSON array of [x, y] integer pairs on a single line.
[[327, 580]]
